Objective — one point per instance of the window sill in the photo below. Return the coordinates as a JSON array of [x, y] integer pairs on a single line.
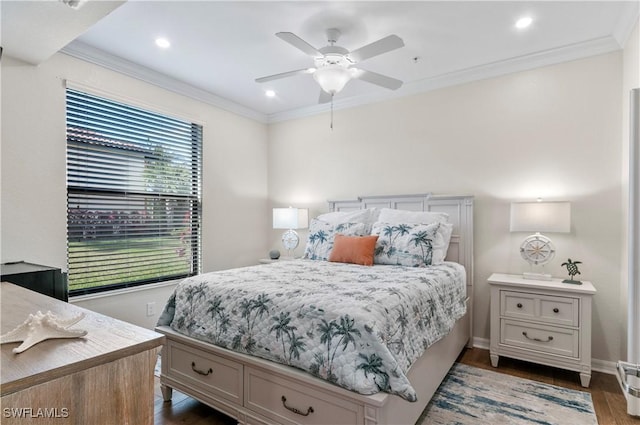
[[123, 291]]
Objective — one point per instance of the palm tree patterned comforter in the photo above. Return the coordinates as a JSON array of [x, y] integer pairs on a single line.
[[358, 327]]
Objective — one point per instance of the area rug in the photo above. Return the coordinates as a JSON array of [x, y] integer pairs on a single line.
[[473, 396]]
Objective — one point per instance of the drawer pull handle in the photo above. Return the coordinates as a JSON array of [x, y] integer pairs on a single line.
[[198, 371], [549, 338], [519, 305], [556, 310], [294, 410]]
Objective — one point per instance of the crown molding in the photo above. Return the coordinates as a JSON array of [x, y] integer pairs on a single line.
[[626, 23], [495, 69], [99, 57], [567, 53]]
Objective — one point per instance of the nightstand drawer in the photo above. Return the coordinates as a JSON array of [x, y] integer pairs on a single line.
[[560, 310], [517, 305], [541, 308], [547, 339]]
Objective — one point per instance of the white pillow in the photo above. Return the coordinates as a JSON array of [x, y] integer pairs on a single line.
[[415, 245], [445, 231], [388, 215], [367, 216]]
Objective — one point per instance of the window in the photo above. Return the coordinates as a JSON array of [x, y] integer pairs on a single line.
[[133, 195]]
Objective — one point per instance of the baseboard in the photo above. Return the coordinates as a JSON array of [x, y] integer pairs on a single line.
[[482, 343], [603, 366]]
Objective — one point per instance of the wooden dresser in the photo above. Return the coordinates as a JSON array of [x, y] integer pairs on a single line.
[[105, 377]]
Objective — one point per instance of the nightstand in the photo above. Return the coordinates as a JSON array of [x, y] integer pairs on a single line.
[[269, 260], [545, 322]]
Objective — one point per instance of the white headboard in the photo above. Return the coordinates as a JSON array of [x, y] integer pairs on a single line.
[[459, 208]]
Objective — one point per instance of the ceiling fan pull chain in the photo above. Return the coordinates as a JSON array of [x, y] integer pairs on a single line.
[[331, 126]]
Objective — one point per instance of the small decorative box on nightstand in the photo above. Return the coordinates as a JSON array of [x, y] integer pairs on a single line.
[[545, 322]]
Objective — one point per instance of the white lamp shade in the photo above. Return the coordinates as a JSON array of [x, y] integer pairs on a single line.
[[290, 218], [541, 217], [332, 78]]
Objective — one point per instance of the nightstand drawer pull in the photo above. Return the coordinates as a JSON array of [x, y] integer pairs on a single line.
[[198, 371], [519, 305], [556, 310], [549, 338], [294, 410]]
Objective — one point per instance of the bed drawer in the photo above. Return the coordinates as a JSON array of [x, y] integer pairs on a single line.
[[212, 373], [289, 402], [547, 339]]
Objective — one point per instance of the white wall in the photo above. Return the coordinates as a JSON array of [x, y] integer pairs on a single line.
[[33, 203], [552, 132]]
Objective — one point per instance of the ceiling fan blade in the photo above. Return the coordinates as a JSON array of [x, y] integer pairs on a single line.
[[376, 48], [284, 75], [324, 97], [378, 79], [299, 43]]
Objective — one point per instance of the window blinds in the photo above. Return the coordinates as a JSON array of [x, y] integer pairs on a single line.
[[133, 195]]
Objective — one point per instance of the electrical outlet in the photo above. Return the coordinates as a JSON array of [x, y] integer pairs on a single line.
[[151, 309]]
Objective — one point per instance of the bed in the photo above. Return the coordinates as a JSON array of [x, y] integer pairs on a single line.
[[267, 380]]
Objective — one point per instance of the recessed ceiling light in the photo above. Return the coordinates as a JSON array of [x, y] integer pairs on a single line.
[[270, 93], [524, 22], [162, 42]]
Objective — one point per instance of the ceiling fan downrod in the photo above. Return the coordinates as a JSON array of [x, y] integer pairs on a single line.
[[332, 36]]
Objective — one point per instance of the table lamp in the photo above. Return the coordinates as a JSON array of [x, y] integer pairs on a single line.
[[538, 217], [290, 219]]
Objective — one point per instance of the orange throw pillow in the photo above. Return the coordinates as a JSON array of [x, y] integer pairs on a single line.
[[353, 249]]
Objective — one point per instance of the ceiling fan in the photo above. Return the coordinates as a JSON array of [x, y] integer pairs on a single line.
[[334, 64]]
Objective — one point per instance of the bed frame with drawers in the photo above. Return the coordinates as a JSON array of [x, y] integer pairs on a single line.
[[259, 392]]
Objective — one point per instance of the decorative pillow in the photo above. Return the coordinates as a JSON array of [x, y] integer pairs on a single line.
[[321, 235], [388, 215], [416, 245], [353, 249]]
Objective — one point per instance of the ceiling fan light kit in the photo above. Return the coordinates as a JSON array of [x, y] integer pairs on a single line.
[[332, 78]]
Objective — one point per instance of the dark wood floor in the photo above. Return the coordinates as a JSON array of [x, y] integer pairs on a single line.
[[607, 398]]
